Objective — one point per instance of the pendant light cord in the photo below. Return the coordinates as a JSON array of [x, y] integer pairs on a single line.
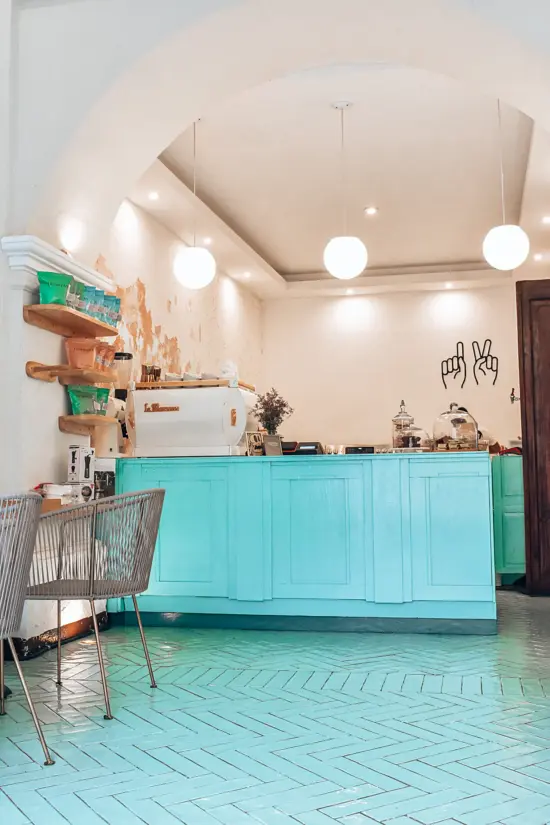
[[343, 172], [501, 158], [195, 183]]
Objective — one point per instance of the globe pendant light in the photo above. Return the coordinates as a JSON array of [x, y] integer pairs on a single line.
[[345, 256], [506, 246], [194, 266]]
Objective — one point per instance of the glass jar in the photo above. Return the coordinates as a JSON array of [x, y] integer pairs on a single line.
[[402, 425], [455, 430], [123, 365], [415, 438]]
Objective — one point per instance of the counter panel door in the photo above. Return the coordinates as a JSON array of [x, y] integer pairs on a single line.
[[391, 558], [318, 531], [513, 543], [193, 532], [509, 522], [451, 536], [129, 477]]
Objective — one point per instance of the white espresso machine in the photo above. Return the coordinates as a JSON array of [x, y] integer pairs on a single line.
[[189, 421]]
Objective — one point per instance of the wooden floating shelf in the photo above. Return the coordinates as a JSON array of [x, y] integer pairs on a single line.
[[69, 323], [67, 375], [83, 424], [74, 376], [206, 382]]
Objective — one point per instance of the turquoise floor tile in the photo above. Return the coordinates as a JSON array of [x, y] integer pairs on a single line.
[[9, 812], [248, 728], [525, 807], [188, 812], [35, 807], [401, 820], [75, 810], [112, 811], [231, 815], [541, 816], [316, 818]]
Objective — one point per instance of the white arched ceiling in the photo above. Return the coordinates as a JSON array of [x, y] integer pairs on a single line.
[[243, 44]]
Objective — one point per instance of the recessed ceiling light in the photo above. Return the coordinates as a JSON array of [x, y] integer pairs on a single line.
[[207, 241], [246, 274], [371, 210], [448, 286], [153, 196], [538, 256], [349, 291], [546, 219]]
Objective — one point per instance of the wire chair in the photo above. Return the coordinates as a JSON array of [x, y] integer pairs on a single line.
[[19, 517], [100, 550]]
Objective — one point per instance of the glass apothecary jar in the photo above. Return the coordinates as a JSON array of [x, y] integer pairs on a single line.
[[405, 436], [402, 424], [455, 429]]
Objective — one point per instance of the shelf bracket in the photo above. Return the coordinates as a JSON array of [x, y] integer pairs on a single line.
[[43, 372]]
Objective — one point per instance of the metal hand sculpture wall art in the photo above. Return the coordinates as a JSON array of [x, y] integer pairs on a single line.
[[485, 369]]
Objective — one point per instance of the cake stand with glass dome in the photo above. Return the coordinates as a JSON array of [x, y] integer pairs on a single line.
[[455, 430]]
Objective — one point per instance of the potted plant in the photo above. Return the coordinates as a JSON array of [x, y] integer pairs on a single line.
[[271, 410]]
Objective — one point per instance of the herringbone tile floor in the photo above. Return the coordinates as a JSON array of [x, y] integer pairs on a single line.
[[290, 729]]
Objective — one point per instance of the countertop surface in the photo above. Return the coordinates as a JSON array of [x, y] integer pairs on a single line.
[[471, 455]]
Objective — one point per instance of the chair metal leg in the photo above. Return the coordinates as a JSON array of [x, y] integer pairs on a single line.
[[107, 715], [144, 643], [58, 643], [49, 760], [2, 693]]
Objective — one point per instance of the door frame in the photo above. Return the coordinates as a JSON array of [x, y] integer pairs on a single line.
[[537, 556]]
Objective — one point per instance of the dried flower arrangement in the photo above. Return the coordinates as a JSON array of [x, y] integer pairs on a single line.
[[271, 410]]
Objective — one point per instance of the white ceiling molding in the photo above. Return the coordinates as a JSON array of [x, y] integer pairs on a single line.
[[27, 255], [370, 283], [443, 270]]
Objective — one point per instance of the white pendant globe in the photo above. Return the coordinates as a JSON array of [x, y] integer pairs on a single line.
[[194, 267], [506, 247], [345, 257]]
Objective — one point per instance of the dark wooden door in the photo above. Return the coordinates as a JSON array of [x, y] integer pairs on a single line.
[[533, 302]]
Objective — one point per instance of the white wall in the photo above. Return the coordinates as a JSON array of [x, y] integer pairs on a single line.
[[171, 326], [345, 363], [43, 454]]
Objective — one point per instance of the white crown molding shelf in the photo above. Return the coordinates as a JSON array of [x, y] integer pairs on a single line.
[[27, 255]]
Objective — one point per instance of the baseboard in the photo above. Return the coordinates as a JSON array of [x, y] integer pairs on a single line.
[[36, 645], [342, 624]]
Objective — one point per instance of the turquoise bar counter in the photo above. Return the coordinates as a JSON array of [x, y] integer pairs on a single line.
[[384, 542]]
